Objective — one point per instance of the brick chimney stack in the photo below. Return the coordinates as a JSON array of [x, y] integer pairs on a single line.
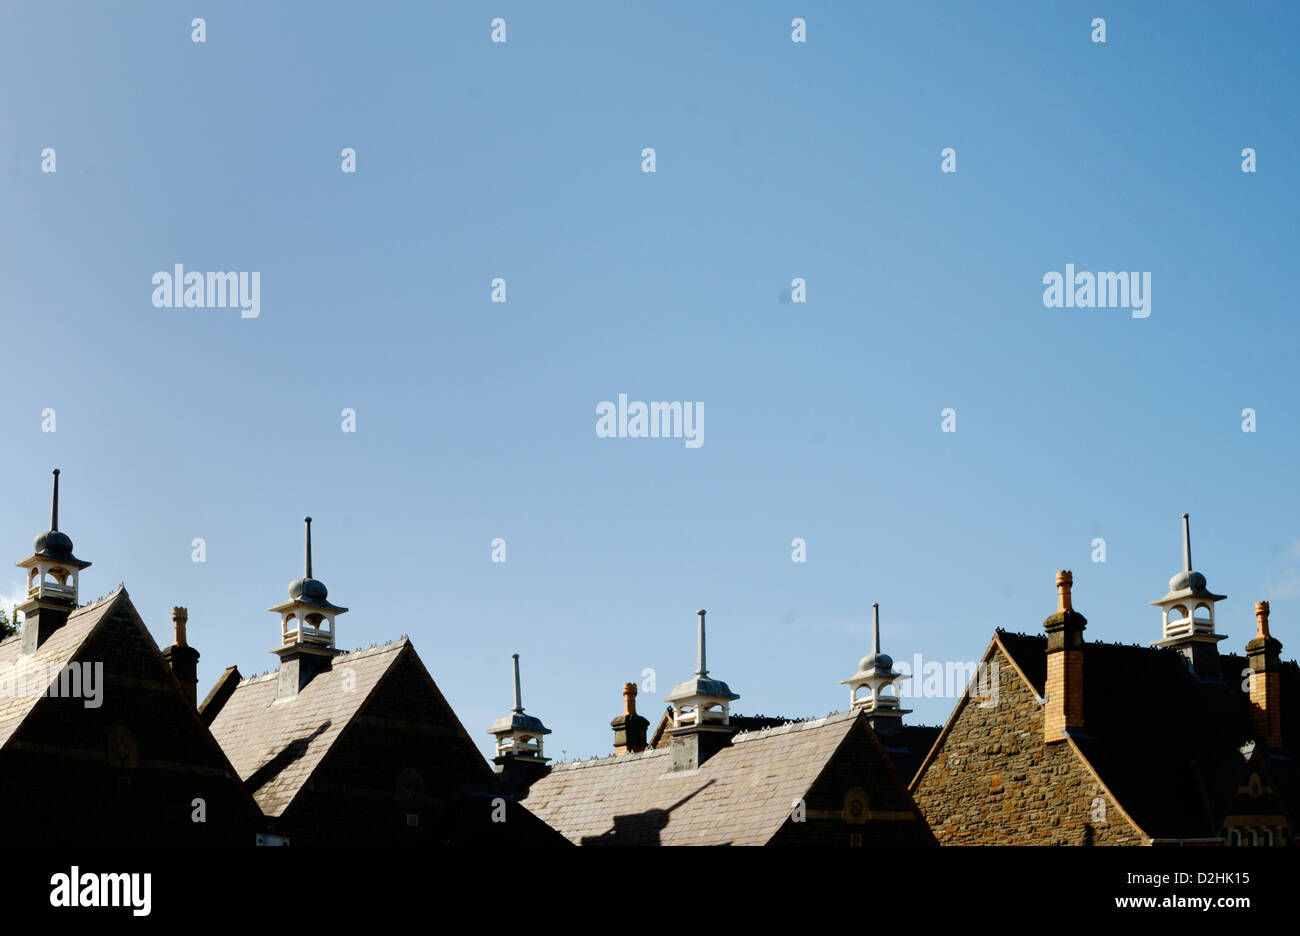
[[182, 658], [1063, 712], [629, 728], [1265, 681]]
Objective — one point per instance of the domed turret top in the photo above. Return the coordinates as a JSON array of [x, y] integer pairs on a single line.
[[879, 661], [309, 590], [55, 544], [875, 674], [1188, 583]]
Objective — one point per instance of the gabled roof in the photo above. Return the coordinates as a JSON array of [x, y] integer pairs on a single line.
[[35, 670], [909, 751], [1167, 745], [275, 745], [742, 795]]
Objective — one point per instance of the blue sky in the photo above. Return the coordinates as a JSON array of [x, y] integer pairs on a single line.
[[477, 420]]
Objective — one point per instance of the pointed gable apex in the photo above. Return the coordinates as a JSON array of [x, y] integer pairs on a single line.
[[278, 745]]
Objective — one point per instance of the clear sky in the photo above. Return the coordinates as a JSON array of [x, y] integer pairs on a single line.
[[476, 420]]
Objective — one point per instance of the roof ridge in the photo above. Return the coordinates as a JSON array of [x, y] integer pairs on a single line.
[[374, 648], [792, 726], [609, 758], [101, 600], [258, 677], [359, 653]]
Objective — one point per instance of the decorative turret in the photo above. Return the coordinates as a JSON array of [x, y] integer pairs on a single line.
[[52, 581], [875, 674], [518, 736], [701, 723], [1188, 615], [306, 628]]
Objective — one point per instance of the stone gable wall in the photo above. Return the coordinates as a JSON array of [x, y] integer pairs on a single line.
[[995, 781]]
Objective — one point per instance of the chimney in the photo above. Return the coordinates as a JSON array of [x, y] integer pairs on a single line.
[[629, 728], [182, 658], [1063, 712], [1265, 681]]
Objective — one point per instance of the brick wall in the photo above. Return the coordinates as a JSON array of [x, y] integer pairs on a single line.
[[1064, 688]]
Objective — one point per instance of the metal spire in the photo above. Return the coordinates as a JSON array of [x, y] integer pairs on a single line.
[[519, 709], [54, 505], [1187, 545], [875, 629], [700, 669], [307, 555]]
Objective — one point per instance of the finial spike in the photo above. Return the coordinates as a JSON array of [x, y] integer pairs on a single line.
[[875, 628], [1187, 545], [307, 550], [54, 504], [700, 669], [519, 709]]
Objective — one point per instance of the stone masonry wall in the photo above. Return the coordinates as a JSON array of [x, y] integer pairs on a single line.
[[996, 782]]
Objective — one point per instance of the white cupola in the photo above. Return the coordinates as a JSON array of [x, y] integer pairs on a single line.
[[876, 675], [306, 629], [700, 702], [1187, 613], [517, 734], [53, 574]]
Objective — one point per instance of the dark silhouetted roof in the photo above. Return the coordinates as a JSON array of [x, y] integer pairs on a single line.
[[1172, 748], [908, 752], [282, 742]]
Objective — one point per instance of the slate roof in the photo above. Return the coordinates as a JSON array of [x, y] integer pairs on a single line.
[[738, 722], [907, 753], [276, 745], [740, 796], [59, 648], [1167, 745]]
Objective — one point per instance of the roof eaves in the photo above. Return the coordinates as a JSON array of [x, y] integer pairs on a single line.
[[1083, 758]]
